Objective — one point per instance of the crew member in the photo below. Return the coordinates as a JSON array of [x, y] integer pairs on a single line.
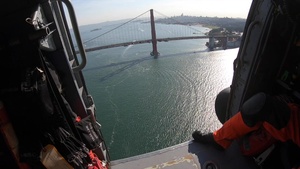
[[281, 119]]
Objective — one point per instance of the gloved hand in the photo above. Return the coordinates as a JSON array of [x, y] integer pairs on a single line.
[[206, 139]]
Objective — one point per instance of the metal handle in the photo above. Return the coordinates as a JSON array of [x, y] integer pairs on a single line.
[[247, 36], [77, 35]]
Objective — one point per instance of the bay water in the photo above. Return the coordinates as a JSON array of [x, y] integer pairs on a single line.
[[146, 104]]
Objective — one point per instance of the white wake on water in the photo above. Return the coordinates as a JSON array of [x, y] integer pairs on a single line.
[[125, 50]]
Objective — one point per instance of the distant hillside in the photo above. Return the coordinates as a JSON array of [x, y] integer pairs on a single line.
[[230, 24]]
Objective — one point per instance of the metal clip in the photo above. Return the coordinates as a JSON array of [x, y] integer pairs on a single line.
[[263, 156]]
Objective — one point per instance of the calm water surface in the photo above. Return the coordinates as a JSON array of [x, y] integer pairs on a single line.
[[145, 104]]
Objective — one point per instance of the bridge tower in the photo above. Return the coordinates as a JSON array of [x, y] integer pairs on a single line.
[[154, 52]]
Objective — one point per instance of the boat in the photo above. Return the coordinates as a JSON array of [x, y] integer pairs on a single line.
[[223, 42], [47, 116]]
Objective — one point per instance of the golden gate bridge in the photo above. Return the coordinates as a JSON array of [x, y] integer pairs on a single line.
[[144, 29]]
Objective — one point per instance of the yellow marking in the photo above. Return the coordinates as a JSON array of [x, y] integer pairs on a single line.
[[189, 159]]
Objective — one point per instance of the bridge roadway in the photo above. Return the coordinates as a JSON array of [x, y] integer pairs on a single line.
[[150, 40]]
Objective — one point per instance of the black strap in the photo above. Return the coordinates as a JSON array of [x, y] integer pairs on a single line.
[[57, 97]]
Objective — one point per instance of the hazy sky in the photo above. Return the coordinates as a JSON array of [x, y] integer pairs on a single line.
[[95, 11]]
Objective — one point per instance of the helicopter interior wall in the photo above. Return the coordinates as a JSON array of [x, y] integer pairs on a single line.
[[19, 54], [278, 53], [20, 41], [273, 63], [15, 56], [278, 69]]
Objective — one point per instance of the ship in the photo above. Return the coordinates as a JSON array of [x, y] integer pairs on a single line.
[[48, 118], [223, 41]]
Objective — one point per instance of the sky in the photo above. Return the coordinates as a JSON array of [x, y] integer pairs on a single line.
[[96, 11]]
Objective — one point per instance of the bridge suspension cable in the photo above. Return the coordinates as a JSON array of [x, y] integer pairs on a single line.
[[115, 27], [138, 30]]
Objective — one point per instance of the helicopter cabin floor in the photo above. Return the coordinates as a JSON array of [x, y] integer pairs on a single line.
[[188, 155]]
